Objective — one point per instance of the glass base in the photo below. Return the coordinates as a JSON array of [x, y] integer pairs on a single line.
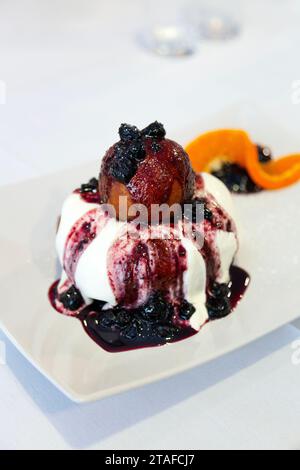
[[170, 40], [218, 27]]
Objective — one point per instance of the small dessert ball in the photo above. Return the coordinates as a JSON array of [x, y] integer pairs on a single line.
[[147, 168]]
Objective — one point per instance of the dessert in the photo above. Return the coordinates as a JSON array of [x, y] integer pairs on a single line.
[[135, 277], [242, 165]]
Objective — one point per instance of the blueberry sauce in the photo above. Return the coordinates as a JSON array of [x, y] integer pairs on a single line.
[[83, 232], [215, 218], [138, 267], [154, 259], [237, 179], [152, 324]]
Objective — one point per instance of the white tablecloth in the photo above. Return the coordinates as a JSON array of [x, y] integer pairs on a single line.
[[73, 71]]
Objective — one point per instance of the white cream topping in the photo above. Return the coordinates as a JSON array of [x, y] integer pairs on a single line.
[[91, 272], [73, 208], [219, 191], [226, 244], [194, 280]]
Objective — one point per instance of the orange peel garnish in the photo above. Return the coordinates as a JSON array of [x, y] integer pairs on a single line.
[[235, 146], [276, 174], [225, 144]]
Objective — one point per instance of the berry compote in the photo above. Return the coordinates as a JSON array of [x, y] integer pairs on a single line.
[[117, 329], [237, 179]]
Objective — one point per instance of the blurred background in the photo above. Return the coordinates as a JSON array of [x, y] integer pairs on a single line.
[[74, 69]]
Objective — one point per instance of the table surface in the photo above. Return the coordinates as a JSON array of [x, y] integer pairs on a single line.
[[73, 70]]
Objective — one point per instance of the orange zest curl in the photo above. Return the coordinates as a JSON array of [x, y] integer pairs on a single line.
[[208, 151]]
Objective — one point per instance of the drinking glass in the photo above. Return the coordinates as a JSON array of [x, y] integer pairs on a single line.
[[216, 19], [167, 30]]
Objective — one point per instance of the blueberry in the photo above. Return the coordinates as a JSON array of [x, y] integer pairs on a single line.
[[107, 319], [133, 328], [93, 182], [130, 333], [123, 317], [167, 332], [90, 187], [72, 299], [102, 326], [128, 133], [218, 308], [218, 304], [149, 312], [122, 169], [156, 309], [120, 149], [130, 151], [135, 151], [186, 310], [127, 156], [155, 147], [264, 154], [220, 291], [236, 179], [155, 130]]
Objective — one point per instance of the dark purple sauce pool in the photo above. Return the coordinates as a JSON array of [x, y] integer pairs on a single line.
[[117, 330]]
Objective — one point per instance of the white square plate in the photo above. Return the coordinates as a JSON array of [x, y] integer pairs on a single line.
[[58, 346]]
